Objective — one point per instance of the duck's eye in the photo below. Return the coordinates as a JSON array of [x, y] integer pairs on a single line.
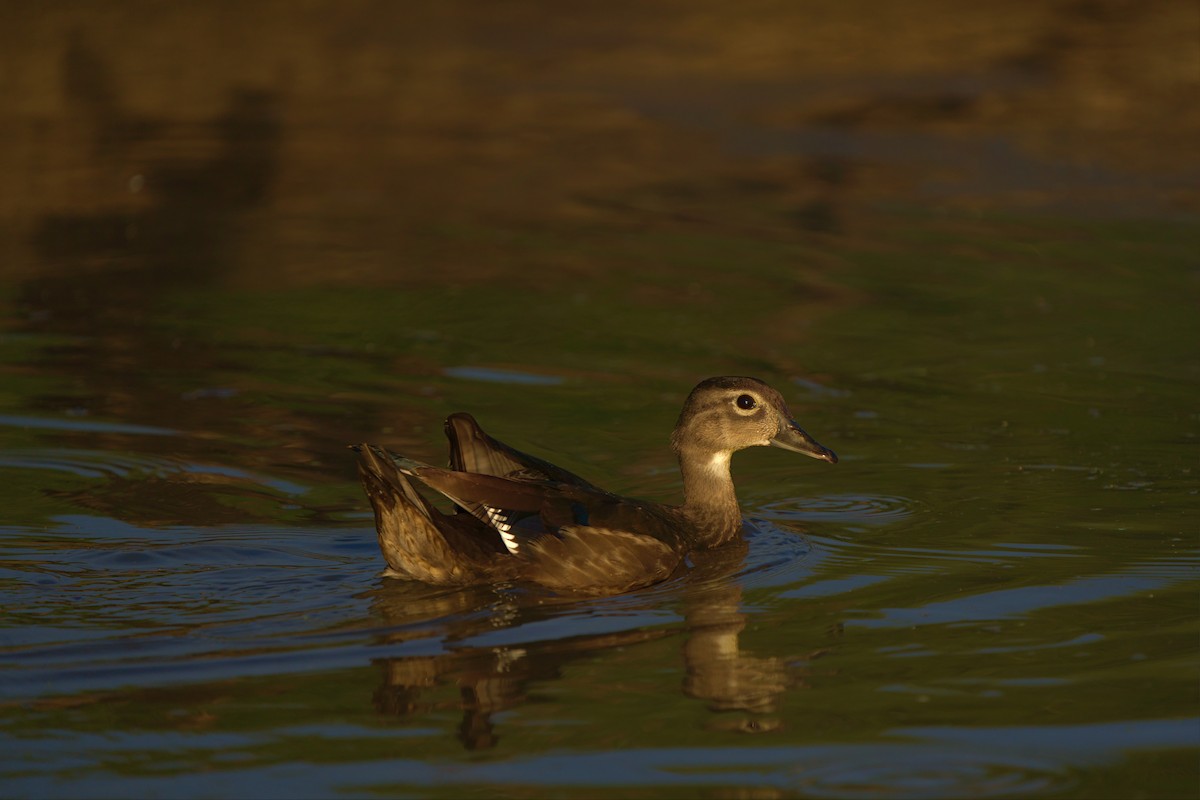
[[746, 402]]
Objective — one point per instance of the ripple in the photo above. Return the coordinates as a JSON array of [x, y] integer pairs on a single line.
[[82, 463], [883, 770], [1015, 602], [903, 771], [884, 557], [819, 389], [776, 555], [850, 509], [1182, 567], [102, 464], [490, 375], [86, 425]]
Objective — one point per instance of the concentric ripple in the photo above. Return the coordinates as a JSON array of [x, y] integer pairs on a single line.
[[846, 509]]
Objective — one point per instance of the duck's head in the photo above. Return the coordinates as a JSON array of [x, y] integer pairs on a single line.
[[723, 415]]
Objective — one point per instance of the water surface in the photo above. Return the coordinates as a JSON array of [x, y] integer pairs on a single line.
[[966, 271]]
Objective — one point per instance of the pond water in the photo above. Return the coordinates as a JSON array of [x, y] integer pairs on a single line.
[[966, 268]]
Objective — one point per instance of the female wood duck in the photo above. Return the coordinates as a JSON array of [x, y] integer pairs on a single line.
[[519, 518]]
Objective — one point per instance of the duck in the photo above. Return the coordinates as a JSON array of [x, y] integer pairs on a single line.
[[519, 519]]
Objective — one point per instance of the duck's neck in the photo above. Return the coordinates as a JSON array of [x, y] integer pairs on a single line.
[[709, 501]]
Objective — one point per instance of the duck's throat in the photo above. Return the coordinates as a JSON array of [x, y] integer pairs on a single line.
[[709, 498]]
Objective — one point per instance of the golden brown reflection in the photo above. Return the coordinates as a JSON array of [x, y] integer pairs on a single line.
[[335, 139], [431, 144], [743, 689], [717, 669]]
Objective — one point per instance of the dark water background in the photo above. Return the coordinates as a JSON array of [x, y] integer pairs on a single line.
[[961, 238]]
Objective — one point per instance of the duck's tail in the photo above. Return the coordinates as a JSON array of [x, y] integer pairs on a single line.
[[412, 533]]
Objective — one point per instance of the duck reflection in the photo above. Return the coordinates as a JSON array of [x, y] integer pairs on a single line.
[[718, 671], [494, 679]]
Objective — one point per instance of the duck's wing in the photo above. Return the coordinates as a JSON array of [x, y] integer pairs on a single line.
[[517, 509], [523, 509], [472, 450]]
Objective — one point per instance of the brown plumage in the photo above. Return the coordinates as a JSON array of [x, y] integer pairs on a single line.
[[519, 518]]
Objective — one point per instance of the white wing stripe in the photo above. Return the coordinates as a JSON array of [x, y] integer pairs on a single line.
[[500, 522]]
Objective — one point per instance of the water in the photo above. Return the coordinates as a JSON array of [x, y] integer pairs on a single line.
[[966, 268]]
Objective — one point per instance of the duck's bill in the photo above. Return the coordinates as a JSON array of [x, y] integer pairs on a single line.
[[794, 439]]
